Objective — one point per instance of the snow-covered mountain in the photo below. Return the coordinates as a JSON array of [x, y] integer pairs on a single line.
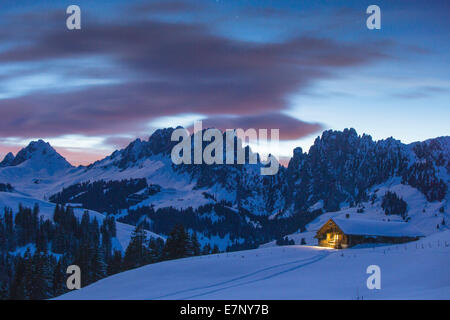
[[37, 155], [339, 171], [341, 166], [233, 207], [8, 160], [34, 166]]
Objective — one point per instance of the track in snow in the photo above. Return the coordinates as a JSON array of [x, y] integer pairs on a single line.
[[218, 286]]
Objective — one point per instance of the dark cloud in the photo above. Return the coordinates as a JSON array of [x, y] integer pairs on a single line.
[[290, 128], [168, 69]]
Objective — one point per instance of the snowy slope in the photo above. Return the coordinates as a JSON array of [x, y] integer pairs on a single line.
[[12, 200], [424, 216], [416, 270]]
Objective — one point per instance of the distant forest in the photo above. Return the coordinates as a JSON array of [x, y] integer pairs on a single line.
[[35, 253]]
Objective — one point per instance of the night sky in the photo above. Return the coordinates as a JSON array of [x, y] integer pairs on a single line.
[[302, 66]]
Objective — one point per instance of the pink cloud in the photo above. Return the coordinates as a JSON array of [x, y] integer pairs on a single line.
[[170, 69]]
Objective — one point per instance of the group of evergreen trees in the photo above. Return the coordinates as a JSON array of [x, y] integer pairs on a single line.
[[284, 242], [50, 246], [244, 229], [35, 252], [423, 176], [179, 244], [393, 204], [101, 196], [6, 187]]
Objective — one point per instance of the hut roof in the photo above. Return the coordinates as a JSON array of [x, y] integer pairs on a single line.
[[376, 228]]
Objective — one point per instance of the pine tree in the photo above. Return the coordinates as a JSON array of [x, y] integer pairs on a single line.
[[21, 280], [57, 214], [9, 230], [193, 245], [106, 244], [137, 253], [82, 259], [41, 237], [177, 244], [39, 282], [155, 249], [99, 264], [58, 281], [4, 290], [115, 263], [28, 278], [206, 249]]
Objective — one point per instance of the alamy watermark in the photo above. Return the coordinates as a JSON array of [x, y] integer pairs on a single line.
[[374, 281], [74, 280], [73, 21], [234, 152], [374, 20]]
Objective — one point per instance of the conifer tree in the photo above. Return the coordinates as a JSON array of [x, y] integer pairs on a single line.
[[206, 249], [137, 252], [194, 245], [115, 263], [215, 249], [4, 290], [177, 244], [58, 281], [99, 264]]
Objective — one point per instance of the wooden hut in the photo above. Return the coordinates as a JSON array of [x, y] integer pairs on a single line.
[[342, 233]]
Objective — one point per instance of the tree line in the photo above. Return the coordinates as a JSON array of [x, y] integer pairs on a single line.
[[101, 195], [35, 252], [393, 204]]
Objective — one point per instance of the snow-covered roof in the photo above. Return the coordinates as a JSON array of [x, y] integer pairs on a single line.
[[377, 228]]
